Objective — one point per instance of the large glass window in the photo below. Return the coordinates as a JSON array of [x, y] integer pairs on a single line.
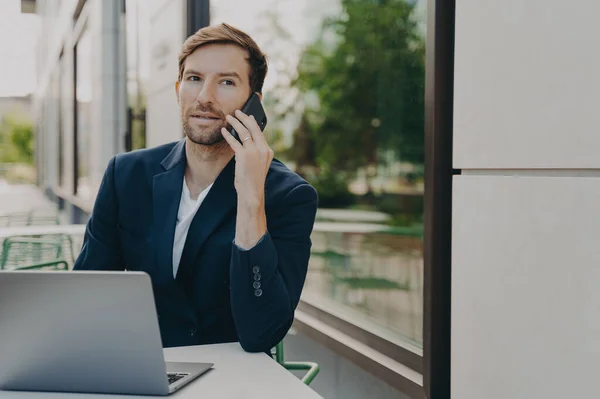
[[83, 94], [138, 71], [345, 100]]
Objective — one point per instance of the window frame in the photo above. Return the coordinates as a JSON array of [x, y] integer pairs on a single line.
[[439, 97], [198, 15]]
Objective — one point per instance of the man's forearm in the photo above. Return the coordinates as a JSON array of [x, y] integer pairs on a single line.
[[260, 301], [251, 223]]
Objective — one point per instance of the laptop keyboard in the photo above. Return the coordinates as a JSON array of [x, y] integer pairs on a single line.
[[173, 377]]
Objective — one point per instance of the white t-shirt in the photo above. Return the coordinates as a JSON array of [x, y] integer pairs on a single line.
[[187, 210]]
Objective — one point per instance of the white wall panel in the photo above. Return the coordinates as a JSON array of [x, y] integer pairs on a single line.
[[525, 278], [527, 87]]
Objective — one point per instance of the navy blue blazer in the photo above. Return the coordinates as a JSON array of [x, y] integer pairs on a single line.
[[221, 293]]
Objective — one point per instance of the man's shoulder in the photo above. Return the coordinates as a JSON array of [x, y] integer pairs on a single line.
[[140, 165], [281, 181], [280, 172], [152, 155]]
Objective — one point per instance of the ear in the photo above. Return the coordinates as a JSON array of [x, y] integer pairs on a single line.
[[177, 90]]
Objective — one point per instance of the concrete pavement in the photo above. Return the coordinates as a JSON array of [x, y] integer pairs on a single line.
[[22, 198]]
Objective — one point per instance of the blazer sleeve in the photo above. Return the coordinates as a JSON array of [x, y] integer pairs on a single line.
[[101, 248], [267, 280]]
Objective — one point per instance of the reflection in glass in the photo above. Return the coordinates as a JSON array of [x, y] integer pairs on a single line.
[[345, 99]]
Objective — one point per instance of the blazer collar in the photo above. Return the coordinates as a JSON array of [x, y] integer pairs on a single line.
[[176, 156]]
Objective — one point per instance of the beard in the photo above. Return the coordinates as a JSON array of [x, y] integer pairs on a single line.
[[204, 135]]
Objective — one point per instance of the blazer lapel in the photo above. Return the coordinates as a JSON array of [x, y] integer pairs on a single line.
[[218, 204], [166, 194]]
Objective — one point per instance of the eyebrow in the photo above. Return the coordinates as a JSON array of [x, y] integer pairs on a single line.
[[229, 75], [220, 74]]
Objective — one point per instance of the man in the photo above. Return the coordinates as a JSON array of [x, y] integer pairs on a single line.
[[222, 229]]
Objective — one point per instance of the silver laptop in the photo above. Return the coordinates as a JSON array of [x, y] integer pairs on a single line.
[[90, 332]]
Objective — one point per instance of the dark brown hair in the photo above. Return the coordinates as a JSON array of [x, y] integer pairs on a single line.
[[227, 34]]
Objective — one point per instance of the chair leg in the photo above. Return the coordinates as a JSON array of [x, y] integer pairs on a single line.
[[279, 353], [311, 368]]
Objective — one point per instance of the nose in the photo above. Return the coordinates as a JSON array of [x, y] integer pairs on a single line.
[[206, 94]]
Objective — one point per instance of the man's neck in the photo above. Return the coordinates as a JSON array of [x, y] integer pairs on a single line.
[[204, 164]]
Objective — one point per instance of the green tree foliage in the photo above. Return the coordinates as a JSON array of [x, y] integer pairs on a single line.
[[365, 76], [16, 141]]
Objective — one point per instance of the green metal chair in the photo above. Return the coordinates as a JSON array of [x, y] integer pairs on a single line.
[[311, 368], [33, 217], [54, 251]]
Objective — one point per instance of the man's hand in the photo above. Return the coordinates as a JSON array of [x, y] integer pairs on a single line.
[[253, 158]]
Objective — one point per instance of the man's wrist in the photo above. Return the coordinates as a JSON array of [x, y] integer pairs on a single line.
[[251, 222], [250, 204], [244, 249]]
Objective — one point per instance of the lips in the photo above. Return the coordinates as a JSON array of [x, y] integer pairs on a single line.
[[205, 116]]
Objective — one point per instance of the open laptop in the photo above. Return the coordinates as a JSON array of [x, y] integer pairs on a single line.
[[90, 332]]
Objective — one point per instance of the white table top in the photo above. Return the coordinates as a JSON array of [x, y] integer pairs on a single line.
[[76, 229], [236, 374]]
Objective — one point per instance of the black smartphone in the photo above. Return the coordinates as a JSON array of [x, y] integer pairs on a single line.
[[253, 107]]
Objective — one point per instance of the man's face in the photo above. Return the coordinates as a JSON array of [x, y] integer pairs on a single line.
[[215, 82]]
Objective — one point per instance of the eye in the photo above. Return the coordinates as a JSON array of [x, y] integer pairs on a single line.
[[194, 78], [228, 82]]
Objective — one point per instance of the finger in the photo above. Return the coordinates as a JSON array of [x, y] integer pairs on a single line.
[[260, 141], [251, 125], [233, 143], [239, 128], [259, 137], [270, 159]]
